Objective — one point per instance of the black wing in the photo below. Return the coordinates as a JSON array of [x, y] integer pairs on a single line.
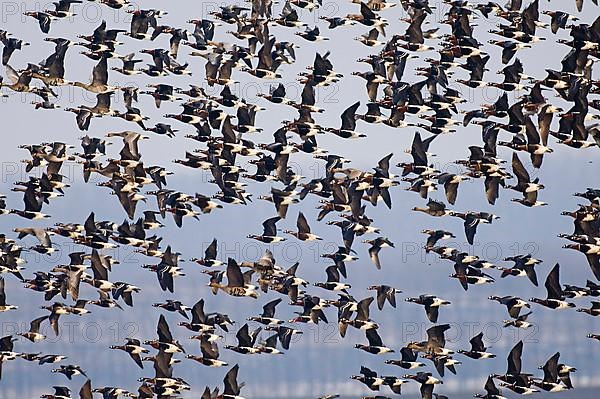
[[163, 331]]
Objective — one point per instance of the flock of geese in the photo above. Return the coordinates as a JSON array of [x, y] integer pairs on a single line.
[[223, 128]]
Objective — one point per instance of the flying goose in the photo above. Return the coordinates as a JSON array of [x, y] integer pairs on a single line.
[[231, 387], [134, 349], [519, 322], [435, 343], [434, 208], [341, 256], [442, 362], [246, 341], [513, 374], [368, 18], [362, 320], [347, 130], [370, 39], [33, 201], [99, 83], [172, 305], [551, 381], [312, 311], [376, 245], [472, 220], [200, 321], [69, 371], [210, 255], [104, 301], [289, 17], [303, 233], [478, 349], [333, 280], [427, 382], [524, 184], [434, 236], [408, 360], [555, 297], [492, 392], [165, 342], [270, 232], [59, 393], [524, 266], [369, 378], [513, 304], [312, 35], [467, 275], [285, 334], [34, 334], [270, 346], [432, 304], [210, 354], [11, 44], [44, 19], [268, 315], [385, 293], [236, 284], [375, 345]]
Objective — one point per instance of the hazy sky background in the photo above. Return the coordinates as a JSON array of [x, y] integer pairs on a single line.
[[320, 362]]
